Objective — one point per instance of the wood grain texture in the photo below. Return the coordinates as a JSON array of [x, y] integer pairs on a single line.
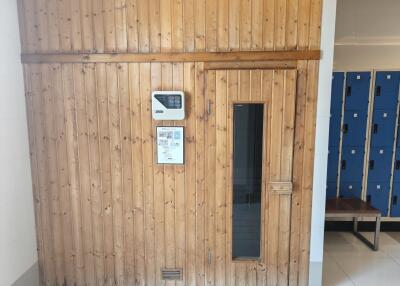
[[106, 213]]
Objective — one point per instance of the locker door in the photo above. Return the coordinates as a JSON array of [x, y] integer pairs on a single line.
[[331, 189], [383, 127], [333, 164], [334, 128], [380, 164], [357, 90], [352, 164], [351, 189], [395, 199], [354, 127], [386, 90], [378, 196], [396, 172], [337, 91]]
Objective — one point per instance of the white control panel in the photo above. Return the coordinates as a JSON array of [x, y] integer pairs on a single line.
[[168, 105]]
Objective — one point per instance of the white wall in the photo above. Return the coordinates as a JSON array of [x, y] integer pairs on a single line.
[[321, 142], [17, 231], [367, 35]]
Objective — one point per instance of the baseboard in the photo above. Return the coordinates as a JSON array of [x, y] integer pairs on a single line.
[[29, 278]]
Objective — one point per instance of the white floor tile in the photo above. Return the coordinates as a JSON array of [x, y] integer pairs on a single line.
[[348, 260], [333, 275]]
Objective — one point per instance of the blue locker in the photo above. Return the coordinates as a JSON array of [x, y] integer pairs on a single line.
[[395, 211], [349, 189], [331, 189], [378, 195], [357, 90], [380, 164], [352, 164], [396, 169], [337, 91], [386, 90], [354, 127], [383, 127], [333, 164], [334, 128]]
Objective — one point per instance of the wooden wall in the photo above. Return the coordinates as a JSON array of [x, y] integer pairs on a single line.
[[106, 214]]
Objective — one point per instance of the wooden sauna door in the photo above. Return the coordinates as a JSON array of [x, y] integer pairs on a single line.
[[276, 89]]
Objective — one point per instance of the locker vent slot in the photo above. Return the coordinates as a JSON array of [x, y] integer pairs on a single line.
[[371, 164], [348, 91], [345, 128], [171, 274], [397, 164], [395, 200], [343, 164], [368, 198], [375, 128], [378, 91]]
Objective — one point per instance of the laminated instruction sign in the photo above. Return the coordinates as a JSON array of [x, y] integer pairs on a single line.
[[169, 145]]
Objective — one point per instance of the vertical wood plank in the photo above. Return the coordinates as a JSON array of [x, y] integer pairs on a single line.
[[303, 26], [210, 179], [22, 25], [63, 172], [158, 178], [234, 24], [52, 85], [180, 195], [87, 25], [315, 24], [84, 174], [257, 24], [29, 76], [190, 173], [233, 85], [143, 26], [76, 26], [220, 175], [169, 187], [98, 26], [268, 24], [41, 25], [200, 174], [116, 170], [199, 25], [177, 25], [223, 25], [280, 25], [211, 25], [147, 149], [291, 24], [73, 166], [166, 27], [137, 167], [53, 27], [105, 164], [121, 25], [109, 26], [245, 25], [188, 23], [132, 22], [127, 176], [91, 88], [155, 26]]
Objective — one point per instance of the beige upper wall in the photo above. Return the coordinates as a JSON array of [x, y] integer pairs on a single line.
[[367, 35]]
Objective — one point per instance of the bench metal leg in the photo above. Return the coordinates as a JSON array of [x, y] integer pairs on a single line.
[[375, 245]]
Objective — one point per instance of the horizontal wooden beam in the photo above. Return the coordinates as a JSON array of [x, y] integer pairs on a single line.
[[250, 56], [268, 65]]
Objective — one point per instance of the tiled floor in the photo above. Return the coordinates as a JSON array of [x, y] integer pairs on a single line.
[[348, 262]]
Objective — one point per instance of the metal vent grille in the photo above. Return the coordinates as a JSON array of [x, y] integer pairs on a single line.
[[171, 274]]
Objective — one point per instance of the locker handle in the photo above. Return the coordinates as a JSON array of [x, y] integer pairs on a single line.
[[375, 128], [378, 90], [345, 128], [348, 91], [343, 165], [368, 198], [395, 200], [371, 164], [397, 164]]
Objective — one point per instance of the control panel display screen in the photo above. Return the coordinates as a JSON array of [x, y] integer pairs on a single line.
[[170, 101]]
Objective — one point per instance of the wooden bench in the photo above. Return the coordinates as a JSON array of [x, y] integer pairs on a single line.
[[355, 209]]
